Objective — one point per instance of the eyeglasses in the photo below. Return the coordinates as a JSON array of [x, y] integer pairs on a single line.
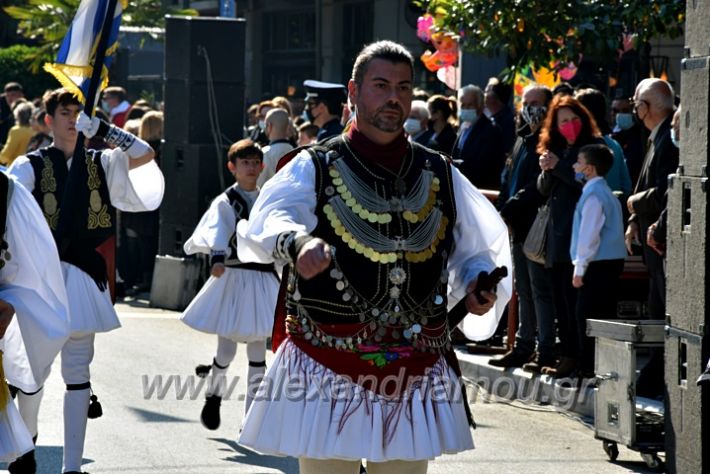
[[636, 104]]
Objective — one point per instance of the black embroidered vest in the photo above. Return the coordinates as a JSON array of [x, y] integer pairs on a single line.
[[92, 216], [241, 211], [392, 236]]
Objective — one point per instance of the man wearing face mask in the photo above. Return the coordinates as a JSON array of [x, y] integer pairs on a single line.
[[518, 202], [478, 150], [653, 104], [629, 133], [324, 105], [257, 133], [115, 103], [417, 124]]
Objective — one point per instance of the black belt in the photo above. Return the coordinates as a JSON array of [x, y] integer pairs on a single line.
[[259, 267]]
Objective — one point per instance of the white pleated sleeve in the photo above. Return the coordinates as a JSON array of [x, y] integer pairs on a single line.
[[214, 229], [137, 190], [288, 200], [480, 244], [32, 282]]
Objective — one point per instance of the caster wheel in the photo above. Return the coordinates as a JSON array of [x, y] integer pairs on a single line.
[[652, 461], [611, 450]]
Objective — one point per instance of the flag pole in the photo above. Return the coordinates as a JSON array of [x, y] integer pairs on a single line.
[[99, 61], [90, 99]]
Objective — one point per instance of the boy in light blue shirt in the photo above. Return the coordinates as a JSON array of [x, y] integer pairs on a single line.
[[597, 248]]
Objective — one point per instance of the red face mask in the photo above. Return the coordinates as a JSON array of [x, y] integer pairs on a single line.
[[571, 129]]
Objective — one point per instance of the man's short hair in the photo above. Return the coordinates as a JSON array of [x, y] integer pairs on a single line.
[[245, 148], [23, 113], [309, 129], [117, 92], [543, 89], [419, 107], [58, 97], [657, 92], [278, 118], [387, 50], [13, 87], [475, 90], [599, 156]]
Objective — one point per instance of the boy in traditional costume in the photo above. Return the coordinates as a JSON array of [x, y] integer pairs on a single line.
[[78, 196], [237, 302]]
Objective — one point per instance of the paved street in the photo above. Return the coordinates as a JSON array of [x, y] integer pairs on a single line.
[[140, 434]]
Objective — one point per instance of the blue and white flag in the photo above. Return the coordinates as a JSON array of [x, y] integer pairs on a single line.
[[76, 56]]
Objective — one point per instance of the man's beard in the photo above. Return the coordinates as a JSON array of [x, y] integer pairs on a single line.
[[387, 124]]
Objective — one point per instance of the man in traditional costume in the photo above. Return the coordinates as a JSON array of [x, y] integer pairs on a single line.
[[237, 302], [376, 232], [34, 320], [78, 196]]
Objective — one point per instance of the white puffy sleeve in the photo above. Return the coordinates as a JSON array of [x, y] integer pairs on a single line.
[[287, 202], [31, 281], [480, 244], [137, 190], [214, 229], [21, 171]]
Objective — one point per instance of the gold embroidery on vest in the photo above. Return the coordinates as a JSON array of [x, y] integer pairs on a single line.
[[48, 185], [98, 211]]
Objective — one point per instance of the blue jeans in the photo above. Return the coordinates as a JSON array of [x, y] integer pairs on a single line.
[[536, 308]]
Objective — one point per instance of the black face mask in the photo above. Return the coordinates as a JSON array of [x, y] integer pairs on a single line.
[[309, 112]]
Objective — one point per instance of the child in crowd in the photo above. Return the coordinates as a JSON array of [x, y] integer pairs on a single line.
[[597, 247], [237, 302]]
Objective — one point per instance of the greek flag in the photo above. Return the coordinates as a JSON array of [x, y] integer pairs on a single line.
[[76, 57]]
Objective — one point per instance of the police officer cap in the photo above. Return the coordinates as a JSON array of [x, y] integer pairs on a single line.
[[319, 90]]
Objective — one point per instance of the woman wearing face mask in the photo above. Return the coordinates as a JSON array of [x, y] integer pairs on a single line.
[[567, 127], [441, 112]]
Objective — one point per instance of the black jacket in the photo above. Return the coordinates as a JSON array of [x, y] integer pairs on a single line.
[[649, 197], [563, 192], [519, 197], [482, 156], [444, 141]]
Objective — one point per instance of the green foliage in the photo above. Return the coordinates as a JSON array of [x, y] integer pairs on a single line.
[[543, 32], [47, 21], [13, 67]]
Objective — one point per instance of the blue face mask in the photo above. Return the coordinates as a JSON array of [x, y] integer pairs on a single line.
[[468, 115], [579, 176], [674, 139], [624, 121]]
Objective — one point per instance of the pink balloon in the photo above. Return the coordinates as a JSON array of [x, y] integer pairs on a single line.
[[424, 24]]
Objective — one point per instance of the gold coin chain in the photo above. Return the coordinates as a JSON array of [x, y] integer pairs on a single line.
[[383, 257]]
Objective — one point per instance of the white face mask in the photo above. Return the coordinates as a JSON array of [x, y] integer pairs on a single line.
[[262, 125], [412, 126]]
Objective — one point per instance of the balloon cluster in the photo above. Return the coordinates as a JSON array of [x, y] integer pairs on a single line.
[[445, 44]]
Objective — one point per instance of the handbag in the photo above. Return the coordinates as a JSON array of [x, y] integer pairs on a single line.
[[535, 243]]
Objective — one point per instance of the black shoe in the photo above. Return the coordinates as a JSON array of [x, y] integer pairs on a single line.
[[513, 358], [210, 412], [203, 370], [25, 464], [540, 361]]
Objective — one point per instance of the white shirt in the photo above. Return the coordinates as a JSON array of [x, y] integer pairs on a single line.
[[590, 228]]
